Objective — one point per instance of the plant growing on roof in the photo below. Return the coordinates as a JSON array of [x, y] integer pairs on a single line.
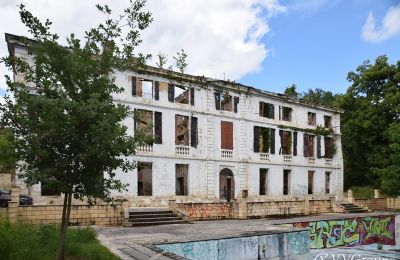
[[180, 61], [70, 129]]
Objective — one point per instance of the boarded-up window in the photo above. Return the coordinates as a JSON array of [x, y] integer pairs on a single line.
[[286, 113], [327, 182], [181, 179], [312, 118], [309, 145], [329, 147], [327, 121], [263, 181], [226, 135], [310, 182], [286, 142], [145, 179], [286, 182], [262, 139], [266, 110], [181, 130]]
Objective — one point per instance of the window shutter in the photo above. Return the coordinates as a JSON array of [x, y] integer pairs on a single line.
[[226, 135], [192, 96], [256, 139], [217, 97], [294, 143], [272, 136], [305, 147], [281, 138], [235, 104], [157, 90], [280, 113], [261, 108], [318, 146], [193, 132], [271, 112], [171, 92], [134, 86], [158, 127]]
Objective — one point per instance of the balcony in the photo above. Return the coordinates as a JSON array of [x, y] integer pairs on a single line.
[[144, 149], [287, 158], [311, 160], [182, 150], [226, 153], [328, 161], [264, 157]]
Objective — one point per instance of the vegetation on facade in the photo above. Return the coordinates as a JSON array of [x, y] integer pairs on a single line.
[[70, 131]]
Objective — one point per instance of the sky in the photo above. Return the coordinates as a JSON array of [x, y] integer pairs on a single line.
[[267, 44]]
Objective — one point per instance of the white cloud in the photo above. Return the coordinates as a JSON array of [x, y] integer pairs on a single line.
[[220, 36], [390, 26]]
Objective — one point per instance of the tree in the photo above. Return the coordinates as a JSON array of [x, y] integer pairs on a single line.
[[162, 60], [320, 97], [371, 116], [70, 130], [180, 61], [7, 149], [291, 91]]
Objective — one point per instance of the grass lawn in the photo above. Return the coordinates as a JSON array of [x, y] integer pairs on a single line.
[[41, 241]]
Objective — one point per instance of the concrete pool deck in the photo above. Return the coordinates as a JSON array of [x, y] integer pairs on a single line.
[[135, 242]]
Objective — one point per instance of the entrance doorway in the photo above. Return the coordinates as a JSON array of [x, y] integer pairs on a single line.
[[226, 185]]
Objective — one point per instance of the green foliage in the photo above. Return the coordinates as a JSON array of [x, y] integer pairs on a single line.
[[319, 130], [7, 149], [40, 242], [362, 192], [317, 97], [291, 91], [162, 60], [180, 61], [71, 130]]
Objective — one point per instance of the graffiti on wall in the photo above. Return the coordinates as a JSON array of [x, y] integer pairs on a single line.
[[351, 232], [206, 210], [196, 250], [299, 189], [298, 242]]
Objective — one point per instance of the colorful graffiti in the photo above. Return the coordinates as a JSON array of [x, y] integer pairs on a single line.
[[351, 232]]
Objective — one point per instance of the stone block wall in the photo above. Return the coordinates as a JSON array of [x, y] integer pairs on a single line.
[[320, 206], [375, 204], [203, 211], [275, 208]]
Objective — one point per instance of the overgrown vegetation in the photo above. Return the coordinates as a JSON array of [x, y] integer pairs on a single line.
[[41, 242]]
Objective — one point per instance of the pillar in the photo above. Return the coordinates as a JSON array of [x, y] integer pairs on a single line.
[[306, 206], [376, 194], [350, 196], [13, 205]]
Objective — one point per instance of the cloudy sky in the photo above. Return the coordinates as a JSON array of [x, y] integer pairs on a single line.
[[268, 44]]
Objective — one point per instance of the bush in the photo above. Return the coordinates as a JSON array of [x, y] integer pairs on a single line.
[[363, 192], [28, 242]]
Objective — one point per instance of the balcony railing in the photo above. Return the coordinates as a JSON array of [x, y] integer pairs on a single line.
[[264, 157], [182, 150], [287, 158], [145, 149], [311, 160], [226, 153], [328, 161]]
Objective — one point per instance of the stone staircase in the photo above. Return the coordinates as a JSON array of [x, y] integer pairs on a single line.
[[353, 208], [152, 217]]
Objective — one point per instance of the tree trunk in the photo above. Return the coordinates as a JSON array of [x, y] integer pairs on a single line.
[[64, 225]]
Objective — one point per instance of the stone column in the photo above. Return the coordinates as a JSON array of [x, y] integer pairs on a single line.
[[376, 194], [306, 206], [13, 205], [350, 196]]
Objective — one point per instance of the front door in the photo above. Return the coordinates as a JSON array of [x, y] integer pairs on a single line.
[[226, 185]]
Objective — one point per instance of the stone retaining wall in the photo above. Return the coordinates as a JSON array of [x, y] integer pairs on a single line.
[[375, 204], [202, 211]]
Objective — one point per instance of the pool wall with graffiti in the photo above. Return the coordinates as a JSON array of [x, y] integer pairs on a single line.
[[277, 245], [352, 232]]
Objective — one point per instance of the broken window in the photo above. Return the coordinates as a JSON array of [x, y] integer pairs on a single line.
[[181, 176], [145, 182], [226, 135], [145, 88], [286, 142], [310, 182], [327, 121], [286, 182], [263, 181], [312, 118], [309, 145], [181, 130], [329, 147], [267, 110], [264, 140], [144, 124], [180, 94], [226, 102], [285, 113], [327, 182], [49, 187]]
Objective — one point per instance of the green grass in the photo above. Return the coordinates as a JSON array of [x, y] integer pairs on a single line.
[[28, 242], [364, 192]]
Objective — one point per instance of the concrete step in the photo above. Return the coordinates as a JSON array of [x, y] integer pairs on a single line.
[[154, 219], [145, 215], [155, 223]]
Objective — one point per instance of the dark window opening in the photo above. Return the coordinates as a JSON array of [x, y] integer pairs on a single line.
[[286, 113], [263, 181], [181, 184], [145, 88], [286, 142], [262, 139], [309, 145], [310, 182], [225, 102], [144, 124], [329, 147], [312, 118], [226, 185], [226, 135], [327, 121], [181, 130], [327, 182], [267, 110], [145, 182], [286, 182]]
